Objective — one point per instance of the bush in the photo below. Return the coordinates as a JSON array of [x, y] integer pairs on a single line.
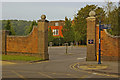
[[58, 41]]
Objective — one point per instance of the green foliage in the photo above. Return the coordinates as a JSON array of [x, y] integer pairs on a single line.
[[67, 31], [50, 35], [100, 15], [58, 41], [80, 24], [8, 25], [12, 31], [119, 20], [34, 23], [19, 26], [0, 25], [112, 17], [29, 28]]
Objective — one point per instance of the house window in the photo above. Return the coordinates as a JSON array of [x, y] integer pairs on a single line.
[[56, 24], [55, 32]]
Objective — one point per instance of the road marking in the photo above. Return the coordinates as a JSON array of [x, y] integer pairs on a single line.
[[84, 76], [68, 74], [6, 63], [81, 58], [46, 75], [53, 73], [38, 62], [19, 75], [76, 69], [71, 75], [94, 73]]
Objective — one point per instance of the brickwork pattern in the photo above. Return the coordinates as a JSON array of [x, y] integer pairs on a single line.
[[23, 44], [36, 43], [91, 51], [110, 45]]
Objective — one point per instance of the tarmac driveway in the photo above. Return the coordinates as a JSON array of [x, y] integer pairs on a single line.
[[58, 67]]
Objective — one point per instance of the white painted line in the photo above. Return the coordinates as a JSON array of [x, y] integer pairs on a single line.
[[81, 58], [94, 73], [45, 75]]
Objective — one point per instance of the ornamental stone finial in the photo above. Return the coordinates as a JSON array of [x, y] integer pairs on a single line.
[[92, 14], [43, 17]]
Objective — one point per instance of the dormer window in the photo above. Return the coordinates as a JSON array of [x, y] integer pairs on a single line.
[[56, 24]]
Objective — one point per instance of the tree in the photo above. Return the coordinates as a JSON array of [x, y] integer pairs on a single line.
[[112, 17], [28, 29], [100, 15], [33, 24], [67, 31], [10, 28], [119, 20], [50, 35], [12, 31], [80, 24], [19, 26], [8, 25]]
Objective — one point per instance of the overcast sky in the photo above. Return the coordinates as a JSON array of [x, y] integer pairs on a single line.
[[33, 10]]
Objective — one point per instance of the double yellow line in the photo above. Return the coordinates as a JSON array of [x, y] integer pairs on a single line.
[[102, 74]]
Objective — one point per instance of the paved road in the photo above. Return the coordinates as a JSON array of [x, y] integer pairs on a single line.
[[59, 66]]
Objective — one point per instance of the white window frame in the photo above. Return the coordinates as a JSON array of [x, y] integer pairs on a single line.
[[55, 31], [56, 24]]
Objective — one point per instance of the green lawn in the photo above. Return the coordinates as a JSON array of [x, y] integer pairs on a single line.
[[20, 58]]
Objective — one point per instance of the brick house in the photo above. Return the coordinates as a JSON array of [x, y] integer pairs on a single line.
[[56, 27]]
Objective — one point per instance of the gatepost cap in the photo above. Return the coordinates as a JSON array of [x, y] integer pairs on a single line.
[[43, 16], [92, 14]]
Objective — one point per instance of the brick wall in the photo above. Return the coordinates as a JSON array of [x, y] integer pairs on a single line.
[[60, 23], [3, 40], [23, 44], [110, 45]]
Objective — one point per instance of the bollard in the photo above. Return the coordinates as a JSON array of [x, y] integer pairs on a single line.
[[66, 44], [50, 44], [71, 45]]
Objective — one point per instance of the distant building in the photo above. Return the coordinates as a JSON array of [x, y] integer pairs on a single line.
[[56, 27]]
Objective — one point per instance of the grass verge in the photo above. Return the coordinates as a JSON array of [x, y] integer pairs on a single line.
[[20, 58]]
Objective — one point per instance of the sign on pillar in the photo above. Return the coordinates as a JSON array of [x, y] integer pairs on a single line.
[[91, 37]]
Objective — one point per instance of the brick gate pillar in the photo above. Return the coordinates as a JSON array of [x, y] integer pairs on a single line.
[[91, 40], [4, 41], [43, 38]]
